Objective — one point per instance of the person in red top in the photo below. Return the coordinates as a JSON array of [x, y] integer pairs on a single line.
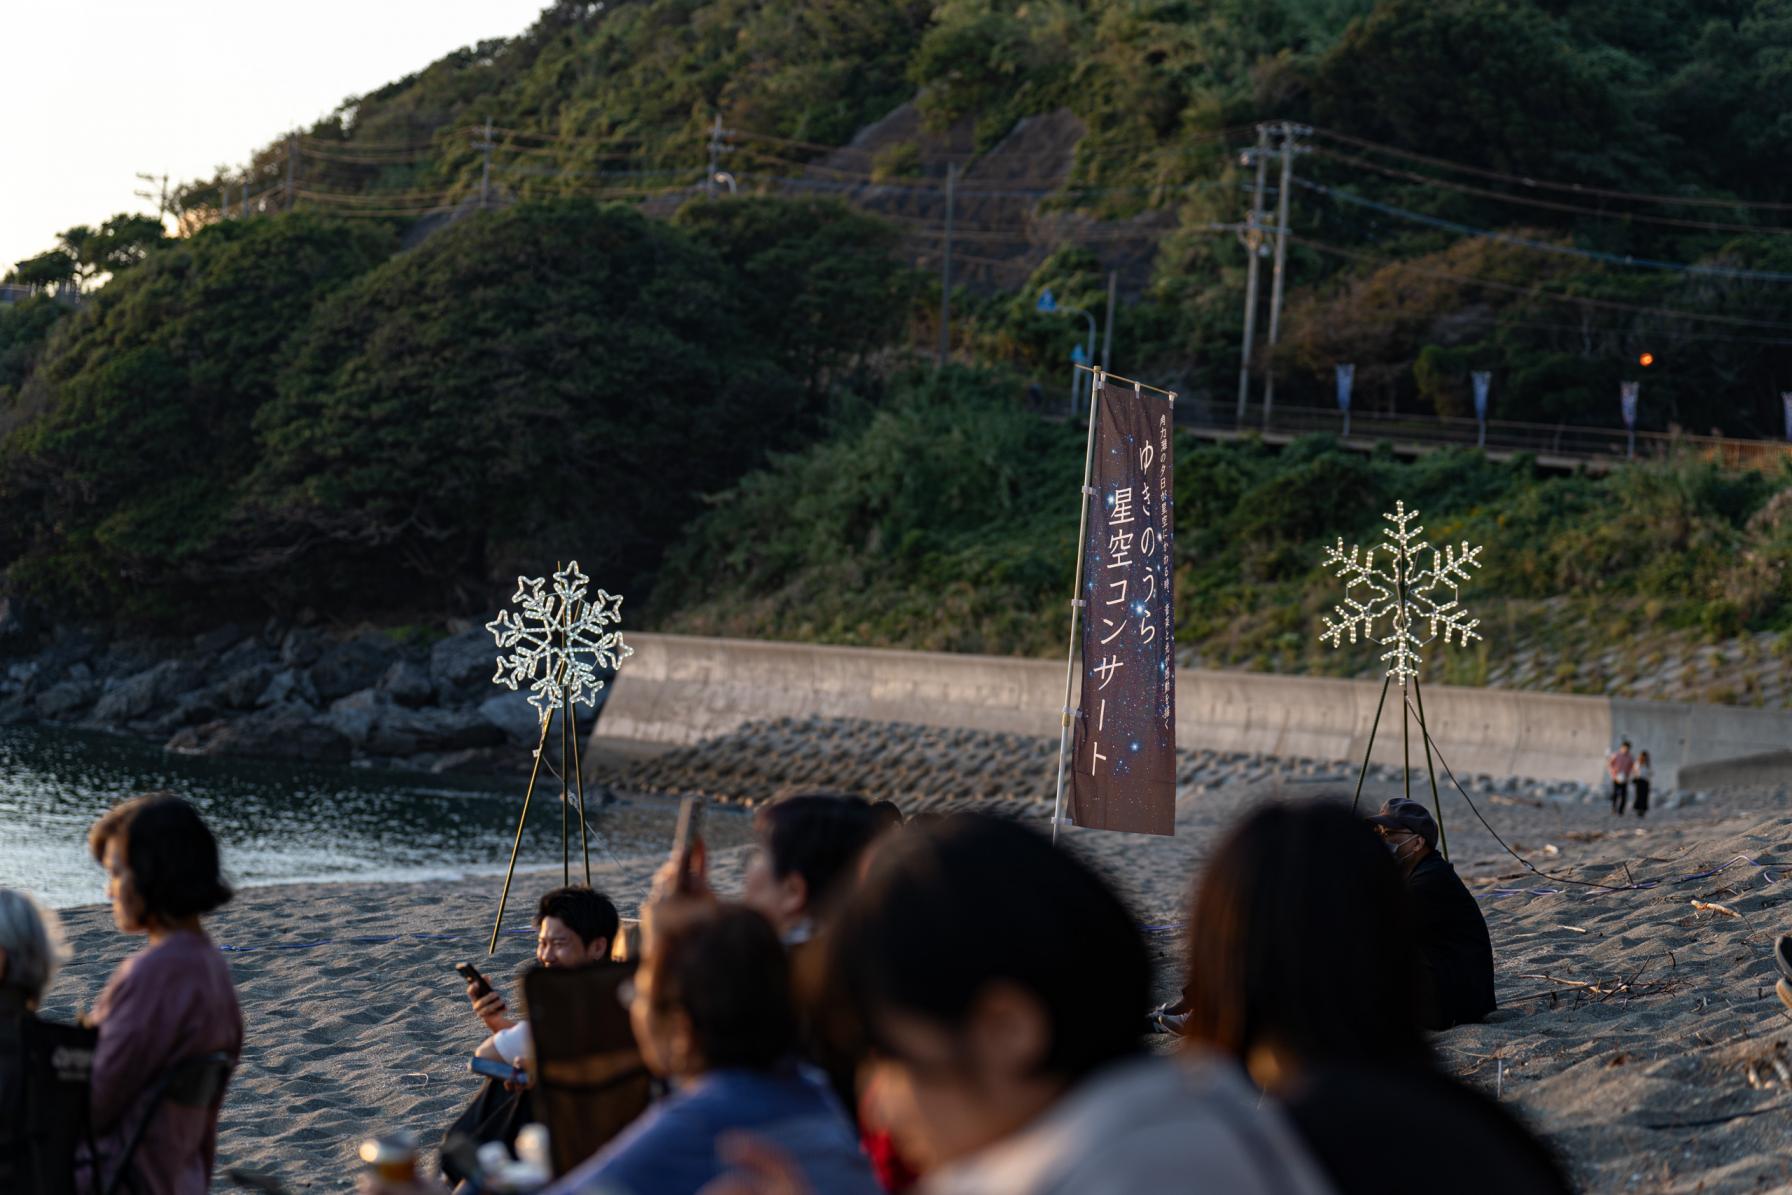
[[1619, 764], [170, 1001]]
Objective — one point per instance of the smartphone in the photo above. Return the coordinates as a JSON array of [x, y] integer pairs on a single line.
[[501, 1071], [688, 833], [471, 974]]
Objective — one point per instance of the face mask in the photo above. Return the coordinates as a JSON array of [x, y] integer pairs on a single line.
[[1398, 849]]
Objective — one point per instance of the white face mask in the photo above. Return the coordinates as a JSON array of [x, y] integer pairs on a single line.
[[1399, 851]]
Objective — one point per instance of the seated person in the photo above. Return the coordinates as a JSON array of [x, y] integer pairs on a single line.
[[712, 1013], [1456, 955], [171, 1001], [32, 950], [1001, 1061], [1301, 966], [574, 927]]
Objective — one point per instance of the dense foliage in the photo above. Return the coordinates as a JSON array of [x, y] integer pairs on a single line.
[[342, 408], [276, 412], [945, 519]]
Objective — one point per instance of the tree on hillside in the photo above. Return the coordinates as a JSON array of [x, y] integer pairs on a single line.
[[83, 254], [552, 381], [116, 489]]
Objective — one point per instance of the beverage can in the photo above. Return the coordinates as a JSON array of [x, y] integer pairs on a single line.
[[392, 1157]]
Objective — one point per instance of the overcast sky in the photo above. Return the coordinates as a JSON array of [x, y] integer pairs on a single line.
[[97, 90]]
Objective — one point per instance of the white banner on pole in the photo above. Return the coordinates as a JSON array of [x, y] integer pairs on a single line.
[[1786, 401], [1627, 398], [1483, 380], [1346, 374]]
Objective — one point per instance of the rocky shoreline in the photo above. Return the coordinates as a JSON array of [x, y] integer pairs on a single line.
[[370, 697]]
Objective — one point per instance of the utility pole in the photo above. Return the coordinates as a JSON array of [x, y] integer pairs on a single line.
[[292, 163], [946, 269], [485, 146], [1107, 334], [715, 157], [1289, 149], [1253, 245]]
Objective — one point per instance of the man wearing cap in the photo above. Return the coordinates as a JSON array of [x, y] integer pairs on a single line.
[[1456, 980]]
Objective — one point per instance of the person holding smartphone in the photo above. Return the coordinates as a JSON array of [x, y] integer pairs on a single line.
[[574, 927]]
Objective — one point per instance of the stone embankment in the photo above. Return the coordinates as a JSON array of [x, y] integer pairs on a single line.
[[931, 769], [280, 692]]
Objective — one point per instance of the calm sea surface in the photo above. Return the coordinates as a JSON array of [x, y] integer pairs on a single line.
[[283, 822]]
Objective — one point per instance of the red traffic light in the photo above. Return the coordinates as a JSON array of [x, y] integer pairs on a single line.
[[1646, 360]]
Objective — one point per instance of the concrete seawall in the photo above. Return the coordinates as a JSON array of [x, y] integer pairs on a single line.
[[679, 690]]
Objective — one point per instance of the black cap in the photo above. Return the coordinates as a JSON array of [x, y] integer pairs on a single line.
[[1403, 814]]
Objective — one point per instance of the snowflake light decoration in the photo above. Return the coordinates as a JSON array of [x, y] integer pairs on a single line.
[[1394, 587], [561, 639]]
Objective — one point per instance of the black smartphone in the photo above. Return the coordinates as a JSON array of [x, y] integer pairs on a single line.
[[471, 974], [501, 1071], [688, 833]]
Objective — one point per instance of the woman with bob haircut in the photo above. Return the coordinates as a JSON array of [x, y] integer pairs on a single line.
[[1303, 966], [169, 1002], [999, 988]]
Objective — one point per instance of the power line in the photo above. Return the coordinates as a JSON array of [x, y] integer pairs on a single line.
[[1534, 292], [1544, 184], [1548, 204], [1619, 259]]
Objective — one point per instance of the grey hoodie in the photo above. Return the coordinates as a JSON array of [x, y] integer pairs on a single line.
[[1144, 1127]]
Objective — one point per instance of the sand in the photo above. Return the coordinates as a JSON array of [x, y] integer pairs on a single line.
[[1642, 1079]]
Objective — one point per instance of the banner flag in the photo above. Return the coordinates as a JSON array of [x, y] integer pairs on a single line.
[[1123, 774], [1627, 397], [1346, 374], [1786, 401], [1483, 380]]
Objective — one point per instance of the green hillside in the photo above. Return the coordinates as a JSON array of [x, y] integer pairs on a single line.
[[424, 361]]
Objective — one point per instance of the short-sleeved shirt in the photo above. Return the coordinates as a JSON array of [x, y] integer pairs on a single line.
[[671, 1149], [1619, 765]]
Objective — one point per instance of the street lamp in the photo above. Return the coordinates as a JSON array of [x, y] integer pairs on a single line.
[[1048, 303]]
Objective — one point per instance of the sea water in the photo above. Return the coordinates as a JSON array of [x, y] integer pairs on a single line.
[[284, 822]]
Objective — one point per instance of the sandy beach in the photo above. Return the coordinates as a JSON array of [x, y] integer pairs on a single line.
[[1638, 1033]]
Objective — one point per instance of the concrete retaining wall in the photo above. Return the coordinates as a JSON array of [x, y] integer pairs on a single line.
[[679, 690]]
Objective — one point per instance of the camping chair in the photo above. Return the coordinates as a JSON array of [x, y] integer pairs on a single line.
[[57, 1075], [588, 1079], [196, 1082]]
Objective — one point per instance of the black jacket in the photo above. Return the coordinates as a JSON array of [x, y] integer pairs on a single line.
[[1456, 981]]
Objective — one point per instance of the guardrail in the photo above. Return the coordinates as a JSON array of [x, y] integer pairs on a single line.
[[1565, 443]]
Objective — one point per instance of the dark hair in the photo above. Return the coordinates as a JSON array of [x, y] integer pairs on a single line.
[[171, 853], [586, 913], [724, 966], [820, 837], [887, 814], [1300, 934], [953, 906]]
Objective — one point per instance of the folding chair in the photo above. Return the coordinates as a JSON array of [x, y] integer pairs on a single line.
[[196, 1082], [57, 1077], [589, 1081]]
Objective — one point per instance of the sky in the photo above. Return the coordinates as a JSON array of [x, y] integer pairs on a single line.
[[97, 90]]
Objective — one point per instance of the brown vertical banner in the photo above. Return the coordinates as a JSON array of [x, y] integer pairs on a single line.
[[1123, 774]]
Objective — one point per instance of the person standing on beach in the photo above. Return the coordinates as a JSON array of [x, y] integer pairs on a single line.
[[1640, 776], [1456, 953], [171, 1001], [1618, 765]]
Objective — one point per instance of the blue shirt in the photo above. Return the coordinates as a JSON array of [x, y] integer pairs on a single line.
[[671, 1149]]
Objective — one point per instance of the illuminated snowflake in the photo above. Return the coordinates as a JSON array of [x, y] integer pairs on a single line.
[[1396, 586], [561, 639]]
